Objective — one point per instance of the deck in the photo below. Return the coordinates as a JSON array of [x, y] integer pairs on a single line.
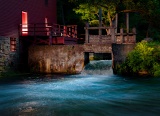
[[48, 34]]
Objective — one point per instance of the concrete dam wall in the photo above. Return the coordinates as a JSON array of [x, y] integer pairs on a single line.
[[69, 59], [56, 59]]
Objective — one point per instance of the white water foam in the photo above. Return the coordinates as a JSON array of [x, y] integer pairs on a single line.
[[100, 67]]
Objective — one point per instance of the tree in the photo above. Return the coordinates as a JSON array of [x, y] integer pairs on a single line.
[[149, 11], [65, 13], [146, 16], [89, 11]]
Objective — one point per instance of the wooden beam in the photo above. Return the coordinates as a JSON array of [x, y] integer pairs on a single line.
[[127, 22], [116, 22], [100, 23], [93, 28], [87, 33]]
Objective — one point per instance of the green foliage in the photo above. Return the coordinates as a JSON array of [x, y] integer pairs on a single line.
[[150, 11], [156, 70], [145, 18], [141, 57], [90, 13], [145, 57]]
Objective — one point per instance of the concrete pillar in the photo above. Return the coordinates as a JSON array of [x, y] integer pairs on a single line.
[[119, 54], [86, 58]]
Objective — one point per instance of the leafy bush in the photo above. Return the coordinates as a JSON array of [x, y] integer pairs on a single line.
[[144, 58]]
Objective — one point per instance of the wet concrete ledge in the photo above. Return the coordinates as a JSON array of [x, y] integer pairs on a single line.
[[68, 59], [64, 59], [71, 59]]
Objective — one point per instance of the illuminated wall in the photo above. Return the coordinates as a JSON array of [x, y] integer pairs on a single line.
[[37, 10], [24, 23]]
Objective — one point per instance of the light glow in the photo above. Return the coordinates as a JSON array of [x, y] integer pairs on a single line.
[[24, 23], [47, 27]]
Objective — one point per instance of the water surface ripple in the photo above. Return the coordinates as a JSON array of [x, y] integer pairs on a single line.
[[93, 93]]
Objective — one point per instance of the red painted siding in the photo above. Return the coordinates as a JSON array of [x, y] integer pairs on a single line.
[[11, 14]]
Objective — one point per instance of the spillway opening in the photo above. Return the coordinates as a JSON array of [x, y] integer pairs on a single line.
[[98, 63], [90, 56], [98, 67], [102, 56]]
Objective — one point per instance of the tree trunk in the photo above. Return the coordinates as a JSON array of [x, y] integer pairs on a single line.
[[110, 23]]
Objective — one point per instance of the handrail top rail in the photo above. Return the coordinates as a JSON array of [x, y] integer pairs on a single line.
[[99, 27], [49, 24]]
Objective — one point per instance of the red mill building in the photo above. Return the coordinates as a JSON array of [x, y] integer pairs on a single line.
[[29, 22], [17, 22], [15, 12]]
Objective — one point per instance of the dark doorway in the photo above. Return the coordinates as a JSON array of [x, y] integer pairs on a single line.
[[102, 56]]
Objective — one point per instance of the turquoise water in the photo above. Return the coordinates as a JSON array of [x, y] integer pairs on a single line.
[[95, 92]]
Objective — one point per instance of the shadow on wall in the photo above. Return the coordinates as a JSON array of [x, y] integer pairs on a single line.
[[89, 56], [102, 56]]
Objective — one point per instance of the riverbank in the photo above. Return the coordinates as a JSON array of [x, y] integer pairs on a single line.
[[10, 76]]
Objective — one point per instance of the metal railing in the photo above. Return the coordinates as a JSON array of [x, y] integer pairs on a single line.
[[47, 29]]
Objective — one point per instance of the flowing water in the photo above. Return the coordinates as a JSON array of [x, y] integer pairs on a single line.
[[95, 92]]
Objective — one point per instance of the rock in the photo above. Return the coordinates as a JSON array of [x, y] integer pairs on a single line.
[[148, 39]]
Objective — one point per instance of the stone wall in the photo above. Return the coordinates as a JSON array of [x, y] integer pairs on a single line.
[[8, 59], [96, 39], [68, 59], [98, 48]]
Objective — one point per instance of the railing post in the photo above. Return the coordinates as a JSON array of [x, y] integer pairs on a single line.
[[75, 31], [134, 34], [64, 30], [59, 30], [50, 37], [113, 35], [87, 33], [69, 31], [127, 22], [121, 35], [100, 34]]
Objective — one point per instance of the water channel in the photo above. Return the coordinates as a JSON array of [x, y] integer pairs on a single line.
[[94, 92]]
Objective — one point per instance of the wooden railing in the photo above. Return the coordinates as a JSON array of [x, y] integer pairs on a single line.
[[111, 35], [100, 38], [123, 37], [43, 29]]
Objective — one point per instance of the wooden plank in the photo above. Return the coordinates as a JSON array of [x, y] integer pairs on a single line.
[[99, 27]]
